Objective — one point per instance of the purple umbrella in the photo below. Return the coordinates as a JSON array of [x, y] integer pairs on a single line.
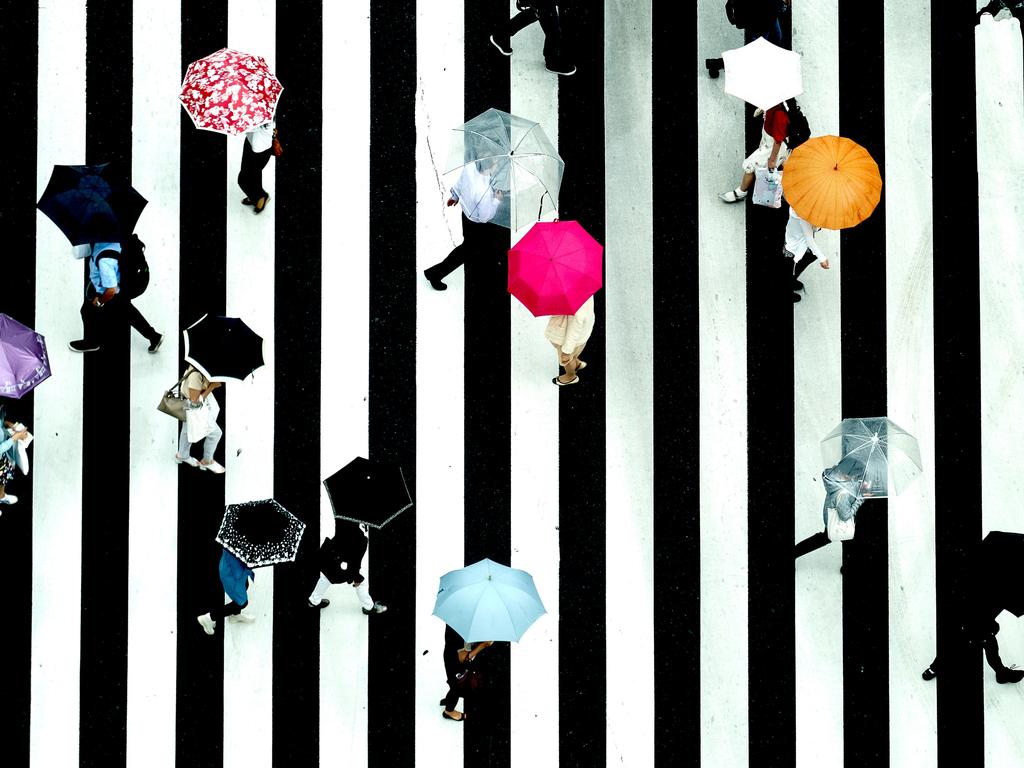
[[23, 361]]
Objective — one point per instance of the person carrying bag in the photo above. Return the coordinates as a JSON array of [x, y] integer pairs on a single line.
[[201, 411]]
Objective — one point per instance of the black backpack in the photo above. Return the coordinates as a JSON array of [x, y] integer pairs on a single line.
[[734, 10], [133, 267], [799, 128]]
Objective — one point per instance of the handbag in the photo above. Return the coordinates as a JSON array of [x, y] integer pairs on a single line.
[[174, 402], [767, 188], [839, 529], [276, 145], [22, 454], [468, 680]]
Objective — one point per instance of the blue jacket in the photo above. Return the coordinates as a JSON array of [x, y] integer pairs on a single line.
[[233, 575]]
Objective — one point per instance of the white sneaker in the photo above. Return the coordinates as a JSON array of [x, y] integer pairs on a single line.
[[731, 196], [10, 498], [207, 623], [241, 618], [190, 460], [214, 467]]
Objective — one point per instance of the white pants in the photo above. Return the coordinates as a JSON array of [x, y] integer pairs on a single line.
[[323, 584]]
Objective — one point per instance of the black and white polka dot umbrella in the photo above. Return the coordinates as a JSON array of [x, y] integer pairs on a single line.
[[260, 533]]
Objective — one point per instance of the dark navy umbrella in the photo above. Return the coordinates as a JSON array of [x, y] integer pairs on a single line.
[[91, 203], [260, 533], [370, 492], [223, 348]]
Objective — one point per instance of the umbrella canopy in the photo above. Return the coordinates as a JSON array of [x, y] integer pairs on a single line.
[[763, 74], [230, 92], [1002, 561], [23, 361], [223, 348], [875, 451], [507, 165], [488, 601], [369, 492], [91, 203], [832, 182], [554, 268], [260, 533]]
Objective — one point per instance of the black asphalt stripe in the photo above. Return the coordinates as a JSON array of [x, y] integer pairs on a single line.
[[770, 577], [488, 393], [957, 331], [581, 417], [105, 460], [392, 380], [676, 439], [199, 727], [863, 333], [19, 58], [297, 302]]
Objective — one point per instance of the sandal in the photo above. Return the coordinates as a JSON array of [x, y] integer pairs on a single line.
[[247, 201], [556, 382], [262, 203], [458, 719]]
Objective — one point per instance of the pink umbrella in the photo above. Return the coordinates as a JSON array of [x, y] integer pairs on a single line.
[[554, 268], [230, 92]]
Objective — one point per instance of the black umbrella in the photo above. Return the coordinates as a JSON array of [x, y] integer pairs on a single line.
[[223, 347], [369, 492], [260, 533], [1002, 556], [91, 203]]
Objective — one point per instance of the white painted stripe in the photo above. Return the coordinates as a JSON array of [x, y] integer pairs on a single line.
[[631, 358], [440, 337], [817, 380], [249, 422], [534, 458], [57, 450], [723, 417], [153, 480], [344, 358], [1001, 243]]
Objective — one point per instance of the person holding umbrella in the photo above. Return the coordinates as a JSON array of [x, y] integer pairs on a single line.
[[457, 654], [771, 153], [843, 497], [105, 309], [256, 151], [568, 334], [801, 248], [340, 558], [234, 577], [200, 422], [9, 457]]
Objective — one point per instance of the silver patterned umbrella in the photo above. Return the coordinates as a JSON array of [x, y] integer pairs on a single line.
[[260, 533]]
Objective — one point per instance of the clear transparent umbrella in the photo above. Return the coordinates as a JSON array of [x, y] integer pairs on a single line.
[[876, 451], [520, 167]]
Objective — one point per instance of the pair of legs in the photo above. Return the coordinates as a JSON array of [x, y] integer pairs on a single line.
[[811, 543], [991, 647], [100, 323], [210, 442], [798, 268], [250, 177], [477, 241], [756, 159], [208, 621], [572, 366], [549, 15], [362, 592]]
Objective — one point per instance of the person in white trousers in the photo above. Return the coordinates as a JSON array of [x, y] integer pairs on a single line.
[[340, 560], [568, 334], [802, 249]]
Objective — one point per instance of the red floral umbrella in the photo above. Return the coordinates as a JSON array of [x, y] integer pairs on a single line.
[[554, 268], [230, 92]]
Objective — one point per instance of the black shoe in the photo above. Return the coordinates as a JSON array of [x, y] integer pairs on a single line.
[[714, 67], [82, 345], [560, 68], [154, 344], [377, 608], [928, 674], [321, 605], [437, 285], [503, 44], [796, 297], [1009, 675], [797, 285]]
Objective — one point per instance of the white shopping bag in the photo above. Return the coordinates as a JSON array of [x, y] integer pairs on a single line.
[[198, 421], [768, 188], [22, 445]]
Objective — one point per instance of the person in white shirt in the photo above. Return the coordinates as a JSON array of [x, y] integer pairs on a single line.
[[568, 334], [480, 201], [802, 248], [256, 152]]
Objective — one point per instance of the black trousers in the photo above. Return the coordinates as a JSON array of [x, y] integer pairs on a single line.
[[550, 18], [803, 264], [231, 609], [250, 177], [811, 543], [480, 242], [991, 647], [99, 324]]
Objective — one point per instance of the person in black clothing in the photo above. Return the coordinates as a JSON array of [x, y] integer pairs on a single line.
[[757, 18], [550, 14], [457, 655], [340, 559]]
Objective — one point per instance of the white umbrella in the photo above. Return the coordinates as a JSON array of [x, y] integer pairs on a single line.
[[875, 451], [762, 74]]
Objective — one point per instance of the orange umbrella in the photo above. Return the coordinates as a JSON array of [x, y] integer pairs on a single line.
[[832, 182]]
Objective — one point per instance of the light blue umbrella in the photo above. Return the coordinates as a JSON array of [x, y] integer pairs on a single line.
[[488, 601]]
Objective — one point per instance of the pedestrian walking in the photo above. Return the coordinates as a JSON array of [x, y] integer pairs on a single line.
[[340, 559], [256, 152], [459, 657], [757, 18], [550, 14], [843, 497], [13, 434], [481, 238], [802, 249], [771, 153], [106, 309], [568, 334], [234, 577], [201, 414]]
